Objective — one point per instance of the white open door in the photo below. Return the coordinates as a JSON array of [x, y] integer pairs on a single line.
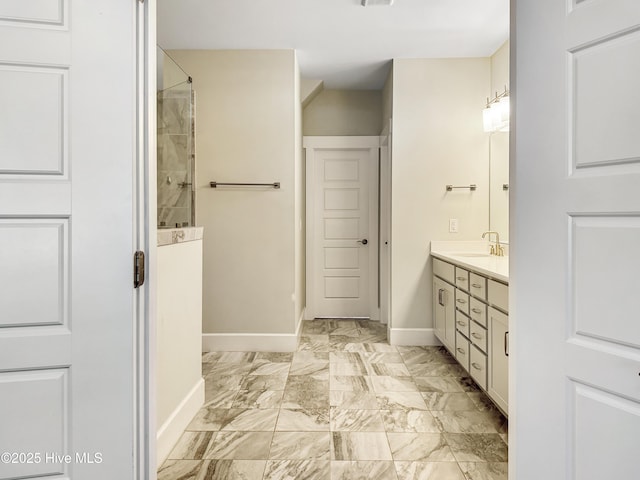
[[342, 226], [67, 237], [575, 230]]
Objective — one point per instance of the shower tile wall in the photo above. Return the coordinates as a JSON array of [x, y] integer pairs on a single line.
[[175, 157]]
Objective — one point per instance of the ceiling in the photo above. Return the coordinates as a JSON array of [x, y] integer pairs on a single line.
[[346, 45]]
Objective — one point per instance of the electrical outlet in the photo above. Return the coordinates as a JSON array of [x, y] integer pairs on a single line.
[[453, 225]]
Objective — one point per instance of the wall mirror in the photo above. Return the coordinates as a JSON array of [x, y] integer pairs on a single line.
[[499, 184]]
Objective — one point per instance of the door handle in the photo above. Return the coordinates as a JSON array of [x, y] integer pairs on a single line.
[[363, 241]]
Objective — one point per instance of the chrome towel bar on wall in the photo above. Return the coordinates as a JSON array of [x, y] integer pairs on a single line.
[[221, 184], [471, 187]]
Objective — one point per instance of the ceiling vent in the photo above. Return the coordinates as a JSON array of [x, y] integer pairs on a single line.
[[373, 3]]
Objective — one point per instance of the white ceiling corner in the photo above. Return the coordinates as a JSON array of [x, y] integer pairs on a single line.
[[339, 41]]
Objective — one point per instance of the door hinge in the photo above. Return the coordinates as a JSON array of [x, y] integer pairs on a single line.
[[138, 269]]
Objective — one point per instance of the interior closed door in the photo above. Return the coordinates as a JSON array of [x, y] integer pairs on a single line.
[[575, 373], [345, 231], [67, 143]]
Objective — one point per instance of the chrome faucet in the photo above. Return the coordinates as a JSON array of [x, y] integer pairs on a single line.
[[496, 249]]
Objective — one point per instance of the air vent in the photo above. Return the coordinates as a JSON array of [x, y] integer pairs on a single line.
[[373, 3]]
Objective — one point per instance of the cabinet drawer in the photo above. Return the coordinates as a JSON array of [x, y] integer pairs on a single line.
[[498, 295], [462, 323], [444, 270], [462, 350], [478, 311], [478, 286], [462, 301], [462, 279], [478, 336], [478, 367]]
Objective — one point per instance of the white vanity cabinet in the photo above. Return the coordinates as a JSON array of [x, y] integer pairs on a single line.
[[471, 321]]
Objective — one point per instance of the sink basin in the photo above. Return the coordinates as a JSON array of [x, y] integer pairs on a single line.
[[471, 254]]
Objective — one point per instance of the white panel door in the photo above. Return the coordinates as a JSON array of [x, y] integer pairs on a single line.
[[345, 245], [575, 385], [67, 156]]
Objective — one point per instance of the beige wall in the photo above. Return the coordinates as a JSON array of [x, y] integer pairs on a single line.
[[344, 112], [437, 140], [246, 132], [500, 69]]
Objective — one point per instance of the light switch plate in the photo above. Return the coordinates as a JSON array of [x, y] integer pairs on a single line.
[[453, 225]]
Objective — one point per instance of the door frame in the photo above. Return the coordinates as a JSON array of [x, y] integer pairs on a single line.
[[145, 231], [310, 144], [384, 215]]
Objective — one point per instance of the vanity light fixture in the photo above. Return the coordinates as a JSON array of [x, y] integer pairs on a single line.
[[495, 116]]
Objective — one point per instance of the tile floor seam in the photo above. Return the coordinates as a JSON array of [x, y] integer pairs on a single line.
[[433, 376]]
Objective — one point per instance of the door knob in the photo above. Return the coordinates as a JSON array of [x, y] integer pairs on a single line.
[[364, 241]]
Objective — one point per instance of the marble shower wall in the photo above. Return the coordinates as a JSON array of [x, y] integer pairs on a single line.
[[176, 156]]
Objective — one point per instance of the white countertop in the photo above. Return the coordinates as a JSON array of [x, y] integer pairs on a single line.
[[473, 255], [169, 236]]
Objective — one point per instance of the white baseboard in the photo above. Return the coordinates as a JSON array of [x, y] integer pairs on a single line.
[[413, 337], [252, 342], [171, 430]]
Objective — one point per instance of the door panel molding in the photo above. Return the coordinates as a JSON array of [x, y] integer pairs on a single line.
[[575, 356], [342, 225]]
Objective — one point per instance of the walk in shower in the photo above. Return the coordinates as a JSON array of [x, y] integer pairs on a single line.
[[176, 145]]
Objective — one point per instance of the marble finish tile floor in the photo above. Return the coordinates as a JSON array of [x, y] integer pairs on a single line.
[[345, 406]]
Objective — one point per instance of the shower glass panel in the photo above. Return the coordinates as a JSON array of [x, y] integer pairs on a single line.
[[176, 145]]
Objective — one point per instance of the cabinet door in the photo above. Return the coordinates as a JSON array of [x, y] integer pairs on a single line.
[[499, 358], [444, 313]]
